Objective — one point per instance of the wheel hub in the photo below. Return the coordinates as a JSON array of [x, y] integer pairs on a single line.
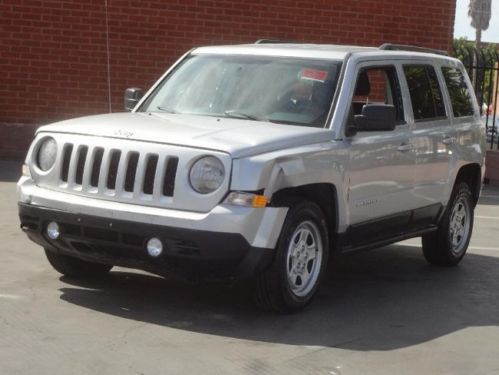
[[459, 225], [304, 258]]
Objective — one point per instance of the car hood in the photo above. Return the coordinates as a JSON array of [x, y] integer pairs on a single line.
[[239, 138]]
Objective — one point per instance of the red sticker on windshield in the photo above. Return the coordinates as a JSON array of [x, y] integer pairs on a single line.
[[314, 74]]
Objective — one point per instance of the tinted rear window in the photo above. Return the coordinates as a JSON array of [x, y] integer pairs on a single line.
[[459, 92], [426, 96]]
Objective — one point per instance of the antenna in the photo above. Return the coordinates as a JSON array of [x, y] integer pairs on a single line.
[[108, 60]]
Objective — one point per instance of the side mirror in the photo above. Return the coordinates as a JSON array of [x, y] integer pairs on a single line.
[[132, 97], [376, 117]]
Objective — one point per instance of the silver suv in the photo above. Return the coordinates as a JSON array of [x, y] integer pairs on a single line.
[[260, 162]]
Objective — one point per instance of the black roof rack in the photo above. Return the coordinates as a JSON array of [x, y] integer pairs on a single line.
[[402, 47], [276, 41]]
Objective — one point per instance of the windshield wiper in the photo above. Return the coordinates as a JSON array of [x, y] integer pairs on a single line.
[[287, 122], [165, 109], [241, 115]]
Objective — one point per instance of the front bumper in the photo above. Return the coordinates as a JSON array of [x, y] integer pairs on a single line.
[[260, 227], [188, 253]]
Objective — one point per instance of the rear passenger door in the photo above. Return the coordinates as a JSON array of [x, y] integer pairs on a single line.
[[433, 137], [466, 119]]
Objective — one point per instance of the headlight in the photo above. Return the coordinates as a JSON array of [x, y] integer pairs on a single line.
[[47, 153], [207, 174]]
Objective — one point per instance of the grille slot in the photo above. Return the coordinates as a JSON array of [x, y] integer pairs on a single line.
[[186, 247], [96, 165], [131, 171], [66, 158], [151, 165], [100, 234], [113, 169], [71, 230], [82, 157], [170, 173], [132, 239]]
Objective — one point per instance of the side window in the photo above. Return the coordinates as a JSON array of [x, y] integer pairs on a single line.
[[426, 95], [459, 92], [377, 85]]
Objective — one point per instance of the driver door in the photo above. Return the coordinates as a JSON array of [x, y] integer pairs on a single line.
[[380, 174]]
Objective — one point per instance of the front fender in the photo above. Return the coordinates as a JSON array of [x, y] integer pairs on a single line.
[[312, 164]]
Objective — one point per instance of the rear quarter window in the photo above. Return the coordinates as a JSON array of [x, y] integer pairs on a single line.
[[459, 92]]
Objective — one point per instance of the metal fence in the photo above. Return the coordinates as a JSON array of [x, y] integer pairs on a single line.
[[483, 68]]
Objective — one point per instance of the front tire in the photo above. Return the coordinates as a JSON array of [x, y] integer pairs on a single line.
[[299, 263], [74, 267], [447, 246]]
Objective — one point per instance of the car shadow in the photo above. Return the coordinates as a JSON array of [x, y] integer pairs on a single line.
[[382, 300]]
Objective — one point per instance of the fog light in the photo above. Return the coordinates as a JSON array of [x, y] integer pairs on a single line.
[[154, 247], [53, 230]]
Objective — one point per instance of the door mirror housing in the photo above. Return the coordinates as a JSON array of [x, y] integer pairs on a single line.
[[376, 117], [132, 97]]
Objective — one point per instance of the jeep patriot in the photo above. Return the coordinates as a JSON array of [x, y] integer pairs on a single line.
[[261, 162]]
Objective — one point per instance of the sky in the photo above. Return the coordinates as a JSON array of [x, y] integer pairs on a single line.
[[462, 26]]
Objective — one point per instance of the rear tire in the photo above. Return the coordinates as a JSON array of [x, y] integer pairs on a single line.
[[447, 246], [299, 264], [74, 267]]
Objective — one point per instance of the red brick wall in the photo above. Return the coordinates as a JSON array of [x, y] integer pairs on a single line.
[[53, 54]]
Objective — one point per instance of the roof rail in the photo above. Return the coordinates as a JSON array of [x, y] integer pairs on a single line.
[[402, 47], [276, 41]]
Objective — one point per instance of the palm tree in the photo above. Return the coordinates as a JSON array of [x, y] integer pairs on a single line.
[[480, 12]]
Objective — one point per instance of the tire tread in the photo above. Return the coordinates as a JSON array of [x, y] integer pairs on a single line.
[[436, 246], [269, 293]]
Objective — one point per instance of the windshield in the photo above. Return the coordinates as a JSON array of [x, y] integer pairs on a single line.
[[284, 90]]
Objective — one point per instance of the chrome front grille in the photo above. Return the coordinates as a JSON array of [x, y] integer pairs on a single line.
[[118, 173]]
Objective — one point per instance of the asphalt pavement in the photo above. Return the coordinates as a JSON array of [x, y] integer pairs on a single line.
[[382, 312]]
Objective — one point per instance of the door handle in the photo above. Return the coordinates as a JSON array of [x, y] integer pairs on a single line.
[[404, 147], [449, 140]]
